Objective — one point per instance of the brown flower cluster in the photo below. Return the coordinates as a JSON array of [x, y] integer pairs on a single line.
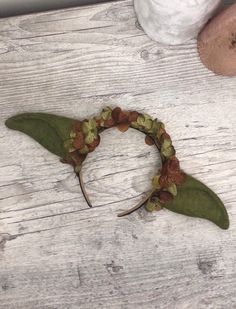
[[116, 117], [84, 138], [171, 173], [120, 116], [85, 134], [165, 184]]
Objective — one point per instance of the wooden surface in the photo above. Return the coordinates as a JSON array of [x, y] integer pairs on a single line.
[[55, 253]]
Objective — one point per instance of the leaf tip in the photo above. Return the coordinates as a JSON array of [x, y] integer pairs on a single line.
[[224, 222], [8, 123], [11, 122]]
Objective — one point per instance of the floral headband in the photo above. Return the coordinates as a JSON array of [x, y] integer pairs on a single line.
[[72, 140]]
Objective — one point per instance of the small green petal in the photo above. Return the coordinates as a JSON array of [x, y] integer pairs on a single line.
[[102, 123], [95, 131], [92, 123], [141, 120], [85, 127], [168, 152], [150, 206], [72, 149], [146, 116], [68, 143], [89, 138], [72, 134], [84, 150], [106, 113], [167, 143], [78, 168], [155, 127], [155, 182], [148, 124], [160, 129], [172, 189], [134, 125]]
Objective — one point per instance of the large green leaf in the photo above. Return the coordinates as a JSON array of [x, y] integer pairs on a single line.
[[49, 130], [197, 200]]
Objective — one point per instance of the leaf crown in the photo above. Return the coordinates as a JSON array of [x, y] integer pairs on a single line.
[[72, 140]]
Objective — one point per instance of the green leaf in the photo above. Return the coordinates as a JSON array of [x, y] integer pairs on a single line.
[[49, 130], [197, 200]]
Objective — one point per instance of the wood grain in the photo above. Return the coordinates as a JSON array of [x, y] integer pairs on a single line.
[[55, 253]]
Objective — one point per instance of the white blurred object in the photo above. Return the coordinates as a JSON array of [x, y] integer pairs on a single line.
[[174, 21]]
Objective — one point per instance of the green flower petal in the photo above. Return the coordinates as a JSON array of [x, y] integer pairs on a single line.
[[106, 113], [168, 152], [172, 189], [90, 137], [155, 182]]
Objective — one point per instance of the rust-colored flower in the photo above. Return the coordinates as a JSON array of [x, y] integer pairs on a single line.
[[173, 165], [179, 178], [170, 166], [133, 116], [165, 197], [116, 114], [119, 116], [109, 123], [161, 196], [76, 158], [165, 181], [79, 140], [149, 141], [77, 126], [171, 173], [165, 136], [160, 131], [94, 144], [123, 127]]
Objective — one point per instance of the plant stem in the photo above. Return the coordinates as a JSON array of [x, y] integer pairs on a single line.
[[136, 207], [79, 175]]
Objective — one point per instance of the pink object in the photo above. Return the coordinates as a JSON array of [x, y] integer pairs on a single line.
[[217, 43]]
